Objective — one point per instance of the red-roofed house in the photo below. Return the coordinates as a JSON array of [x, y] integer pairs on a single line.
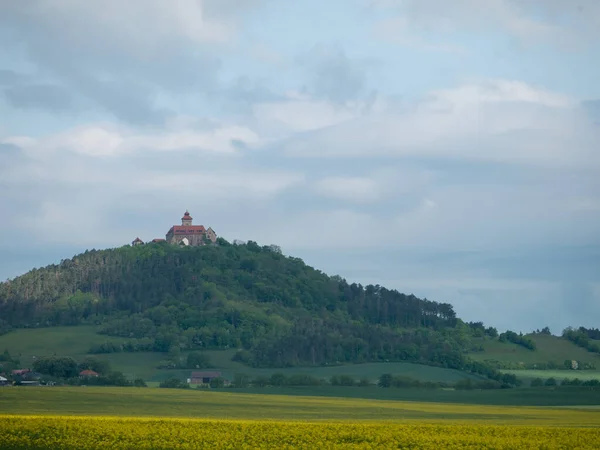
[[188, 234], [88, 373], [203, 377], [137, 241]]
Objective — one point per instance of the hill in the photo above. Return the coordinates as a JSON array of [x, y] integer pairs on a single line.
[[266, 310], [551, 352]]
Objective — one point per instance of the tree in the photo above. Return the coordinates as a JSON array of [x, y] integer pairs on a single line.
[[550, 382], [197, 360], [278, 379], [537, 382], [241, 380], [173, 383], [56, 366], [218, 382], [97, 365], [139, 382], [260, 381], [385, 380]]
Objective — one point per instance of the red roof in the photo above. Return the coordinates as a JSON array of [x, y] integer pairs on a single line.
[[205, 374], [157, 240], [186, 216], [88, 373], [137, 239], [189, 229], [20, 371]]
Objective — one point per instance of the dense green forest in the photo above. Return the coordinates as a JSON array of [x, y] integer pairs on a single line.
[[276, 310]]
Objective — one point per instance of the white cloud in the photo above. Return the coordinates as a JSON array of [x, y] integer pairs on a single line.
[[495, 120], [108, 140], [301, 113], [528, 21]]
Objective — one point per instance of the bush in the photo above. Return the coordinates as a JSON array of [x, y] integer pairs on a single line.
[[260, 381], [342, 380], [138, 382], [537, 382], [173, 383], [218, 382]]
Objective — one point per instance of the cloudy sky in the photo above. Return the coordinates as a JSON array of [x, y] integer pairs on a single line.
[[449, 149]]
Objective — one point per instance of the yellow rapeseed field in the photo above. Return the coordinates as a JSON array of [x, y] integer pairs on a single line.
[[72, 432]]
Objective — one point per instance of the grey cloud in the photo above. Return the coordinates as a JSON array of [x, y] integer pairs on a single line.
[[104, 65], [593, 109], [10, 77], [39, 96], [335, 76]]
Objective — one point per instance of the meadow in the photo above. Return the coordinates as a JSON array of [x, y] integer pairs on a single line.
[[208, 404], [559, 375], [76, 341], [548, 348], [82, 418]]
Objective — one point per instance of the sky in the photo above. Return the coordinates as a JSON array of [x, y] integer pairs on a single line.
[[445, 149]]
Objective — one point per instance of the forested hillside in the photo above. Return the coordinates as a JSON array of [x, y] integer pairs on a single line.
[[275, 309]]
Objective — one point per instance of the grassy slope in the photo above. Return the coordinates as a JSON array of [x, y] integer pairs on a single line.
[[549, 348], [75, 341], [559, 375], [204, 404]]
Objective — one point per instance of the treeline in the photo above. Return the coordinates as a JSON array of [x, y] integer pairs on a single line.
[[135, 279], [65, 370], [549, 365], [550, 382], [478, 329], [243, 381], [519, 339], [583, 338]]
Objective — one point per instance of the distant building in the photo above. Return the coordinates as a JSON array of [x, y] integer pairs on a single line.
[[3, 381], [574, 365], [188, 234], [185, 234], [203, 377], [88, 373]]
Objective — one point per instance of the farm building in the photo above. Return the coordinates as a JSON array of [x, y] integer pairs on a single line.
[[203, 377], [88, 373]]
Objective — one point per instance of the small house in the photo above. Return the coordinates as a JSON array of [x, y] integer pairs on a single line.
[[203, 377], [88, 373], [20, 372]]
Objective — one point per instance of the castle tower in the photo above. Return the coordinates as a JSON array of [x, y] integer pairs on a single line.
[[186, 220]]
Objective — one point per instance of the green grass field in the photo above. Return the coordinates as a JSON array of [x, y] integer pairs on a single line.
[[549, 348], [147, 402], [559, 375], [76, 341]]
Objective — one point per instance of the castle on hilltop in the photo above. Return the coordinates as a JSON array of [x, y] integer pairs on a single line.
[[186, 234]]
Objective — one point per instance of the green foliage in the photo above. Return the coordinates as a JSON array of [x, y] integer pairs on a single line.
[[342, 380], [138, 382], [174, 383], [537, 382], [57, 366], [97, 365], [519, 339], [278, 310], [584, 338], [240, 380], [218, 382], [197, 360]]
